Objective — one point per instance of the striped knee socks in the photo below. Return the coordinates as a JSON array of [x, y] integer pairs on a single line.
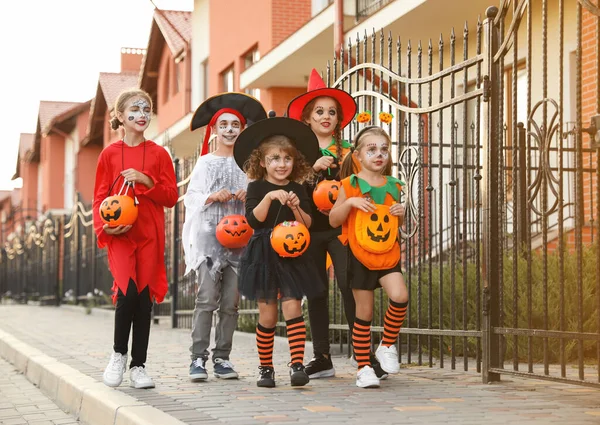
[[361, 339], [394, 317], [296, 333], [265, 339]]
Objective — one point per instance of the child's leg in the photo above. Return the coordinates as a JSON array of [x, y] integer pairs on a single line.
[[207, 297], [228, 314], [124, 311], [141, 328], [361, 332], [394, 286], [296, 329], [265, 331]]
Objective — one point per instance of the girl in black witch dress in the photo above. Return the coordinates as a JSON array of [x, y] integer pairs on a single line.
[[269, 152]]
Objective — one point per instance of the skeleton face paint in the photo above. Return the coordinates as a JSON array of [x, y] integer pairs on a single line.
[[227, 128], [138, 113]]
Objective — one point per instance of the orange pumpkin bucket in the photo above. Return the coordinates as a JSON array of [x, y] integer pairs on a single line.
[[233, 231], [120, 209], [290, 239], [325, 194]]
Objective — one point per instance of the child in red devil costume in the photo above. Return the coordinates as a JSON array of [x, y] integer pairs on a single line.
[[135, 252]]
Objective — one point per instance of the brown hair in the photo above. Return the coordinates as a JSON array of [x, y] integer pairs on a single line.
[[337, 131], [349, 167], [302, 171], [122, 100]]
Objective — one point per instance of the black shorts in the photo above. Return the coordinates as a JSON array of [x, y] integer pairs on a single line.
[[360, 277]]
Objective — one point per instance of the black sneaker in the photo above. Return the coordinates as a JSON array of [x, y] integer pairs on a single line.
[[266, 377], [320, 367], [381, 374], [298, 376]]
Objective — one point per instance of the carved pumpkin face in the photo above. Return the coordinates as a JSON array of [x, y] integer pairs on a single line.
[[364, 117], [233, 231], [325, 194], [290, 239], [118, 210], [377, 231], [385, 117]]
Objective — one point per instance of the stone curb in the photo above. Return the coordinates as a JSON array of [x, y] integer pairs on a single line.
[[92, 402]]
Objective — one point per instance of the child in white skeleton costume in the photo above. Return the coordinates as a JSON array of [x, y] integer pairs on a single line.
[[217, 189]]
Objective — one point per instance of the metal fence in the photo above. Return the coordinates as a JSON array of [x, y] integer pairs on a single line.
[[500, 246]]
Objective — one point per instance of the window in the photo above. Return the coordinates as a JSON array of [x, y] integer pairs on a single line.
[[227, 80], [253, 92], [251, 57]]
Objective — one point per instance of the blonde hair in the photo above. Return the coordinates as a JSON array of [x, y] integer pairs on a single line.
[[122, 100], [348, 165], [301, 171]]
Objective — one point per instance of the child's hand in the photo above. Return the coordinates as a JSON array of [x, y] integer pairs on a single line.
[[135, 176], [324, 163], [397, 210], [114, 231], [222, 195], [280, 195], [361, 203], [293, 200], [240, 195]]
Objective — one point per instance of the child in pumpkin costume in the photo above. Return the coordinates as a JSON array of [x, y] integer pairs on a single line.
[[135, 252], [217, 188], [367, 208], [276, 153]]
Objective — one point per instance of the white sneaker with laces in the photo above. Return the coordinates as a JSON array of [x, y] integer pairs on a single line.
[[366, 378], [138, 378], [113, 374], [388, 358]]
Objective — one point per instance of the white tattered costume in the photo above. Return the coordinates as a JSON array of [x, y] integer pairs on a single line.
[[211, 174]]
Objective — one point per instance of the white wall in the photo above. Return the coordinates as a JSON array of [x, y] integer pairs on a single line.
[[200, 50]]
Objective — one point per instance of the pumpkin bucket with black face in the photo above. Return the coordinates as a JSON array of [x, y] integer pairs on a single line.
[[120, 209], [376, 231], [290, 239], [325, 194], [233, 231]]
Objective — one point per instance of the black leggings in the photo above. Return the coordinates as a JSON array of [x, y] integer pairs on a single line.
[[318, 308], [137, 309]]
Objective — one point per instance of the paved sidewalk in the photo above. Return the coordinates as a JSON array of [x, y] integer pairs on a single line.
[[418, 395], [21, 402]]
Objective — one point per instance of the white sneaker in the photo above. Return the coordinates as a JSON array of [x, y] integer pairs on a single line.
[[388, 358], [113, 374], [138, 378], [366, 378]]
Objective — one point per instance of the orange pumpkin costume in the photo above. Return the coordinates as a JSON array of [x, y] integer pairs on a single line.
[[388, 194]]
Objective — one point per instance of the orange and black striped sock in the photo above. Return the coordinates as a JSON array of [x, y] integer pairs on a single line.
[[394, 317], [361, 339], [296, 333], [265, 340]]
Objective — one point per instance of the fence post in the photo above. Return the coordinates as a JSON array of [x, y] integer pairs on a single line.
[[491, 208], [522, 181], [175, 254], [76, 236]]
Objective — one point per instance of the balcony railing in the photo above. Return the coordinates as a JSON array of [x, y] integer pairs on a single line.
[[365, 8]]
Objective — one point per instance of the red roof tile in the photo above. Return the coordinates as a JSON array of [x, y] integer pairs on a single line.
[[26, 143], [50, 110], [112, 84], [177, 24]]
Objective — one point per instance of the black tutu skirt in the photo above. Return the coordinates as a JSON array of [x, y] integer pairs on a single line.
[[265, 276]]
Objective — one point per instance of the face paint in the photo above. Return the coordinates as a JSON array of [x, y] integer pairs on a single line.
[[227, 128], [138, 113], [374, 153], [278, 164], [324, 117]]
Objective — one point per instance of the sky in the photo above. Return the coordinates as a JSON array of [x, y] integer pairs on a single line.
[[54, 50]]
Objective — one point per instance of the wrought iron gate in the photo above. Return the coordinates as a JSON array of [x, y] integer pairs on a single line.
[[500, 246]]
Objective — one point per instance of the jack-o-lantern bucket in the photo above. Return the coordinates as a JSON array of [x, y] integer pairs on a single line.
[[290, 239], [118, 210], [325, 194], [376, 231], [233, 231]]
